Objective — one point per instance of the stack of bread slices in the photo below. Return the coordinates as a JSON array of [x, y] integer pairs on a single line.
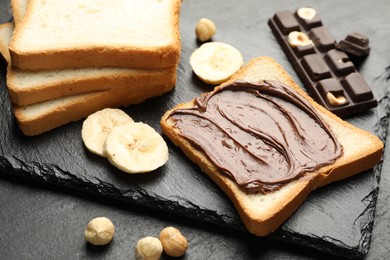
[[68, 59]]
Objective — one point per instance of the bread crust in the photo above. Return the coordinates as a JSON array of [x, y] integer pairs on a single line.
[[264, 213], [96, 55], [163, 58]]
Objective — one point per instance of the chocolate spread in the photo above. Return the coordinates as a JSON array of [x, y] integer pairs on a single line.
[[260, 135]]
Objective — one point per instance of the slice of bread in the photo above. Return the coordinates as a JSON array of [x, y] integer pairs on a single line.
[[18, 9], [262, 213], [26, 88], [44, 100], [29, 87], [6, 30], [60, 34], [41, 117]]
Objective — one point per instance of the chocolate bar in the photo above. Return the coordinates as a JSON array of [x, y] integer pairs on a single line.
[[326, 72]]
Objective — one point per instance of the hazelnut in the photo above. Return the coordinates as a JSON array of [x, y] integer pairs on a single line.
[[148, 248], [100, 231], [173, 242], [298, 39], [306, 13], [205, 29], [335, 101]]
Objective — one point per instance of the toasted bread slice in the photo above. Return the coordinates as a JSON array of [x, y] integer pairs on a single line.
[[262, 213], [78, 34]]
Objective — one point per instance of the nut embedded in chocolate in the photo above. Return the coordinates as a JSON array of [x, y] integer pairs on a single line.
[[356, 44], [306, 13], [335, 101], [295, 39], [308, 17]]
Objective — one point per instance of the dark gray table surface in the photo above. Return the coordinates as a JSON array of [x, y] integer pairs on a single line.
[[40, 221]]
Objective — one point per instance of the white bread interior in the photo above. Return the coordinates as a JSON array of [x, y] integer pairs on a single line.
[[264, 213]]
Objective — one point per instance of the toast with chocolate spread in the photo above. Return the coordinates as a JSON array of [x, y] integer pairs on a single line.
[[60, 34], [267, 144]]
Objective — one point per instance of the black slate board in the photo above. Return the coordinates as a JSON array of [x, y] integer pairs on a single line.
[[336, 219]]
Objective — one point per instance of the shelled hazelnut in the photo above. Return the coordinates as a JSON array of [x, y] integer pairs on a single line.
[[148, 248], [205, 29], [173, 242], [99, 231]]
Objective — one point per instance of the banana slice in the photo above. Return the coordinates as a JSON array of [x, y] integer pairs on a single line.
[[136, 148], [216, 62], [97, 126]]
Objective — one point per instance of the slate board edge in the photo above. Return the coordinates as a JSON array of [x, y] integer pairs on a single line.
[[51, 174], [332, 246]]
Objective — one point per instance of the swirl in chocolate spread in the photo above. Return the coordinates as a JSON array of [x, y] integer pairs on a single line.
[[261, 135]]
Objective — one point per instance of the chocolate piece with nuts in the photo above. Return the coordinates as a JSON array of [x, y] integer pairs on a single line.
[[326, 71], [308, 17], [299, 39], [355, 44]]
